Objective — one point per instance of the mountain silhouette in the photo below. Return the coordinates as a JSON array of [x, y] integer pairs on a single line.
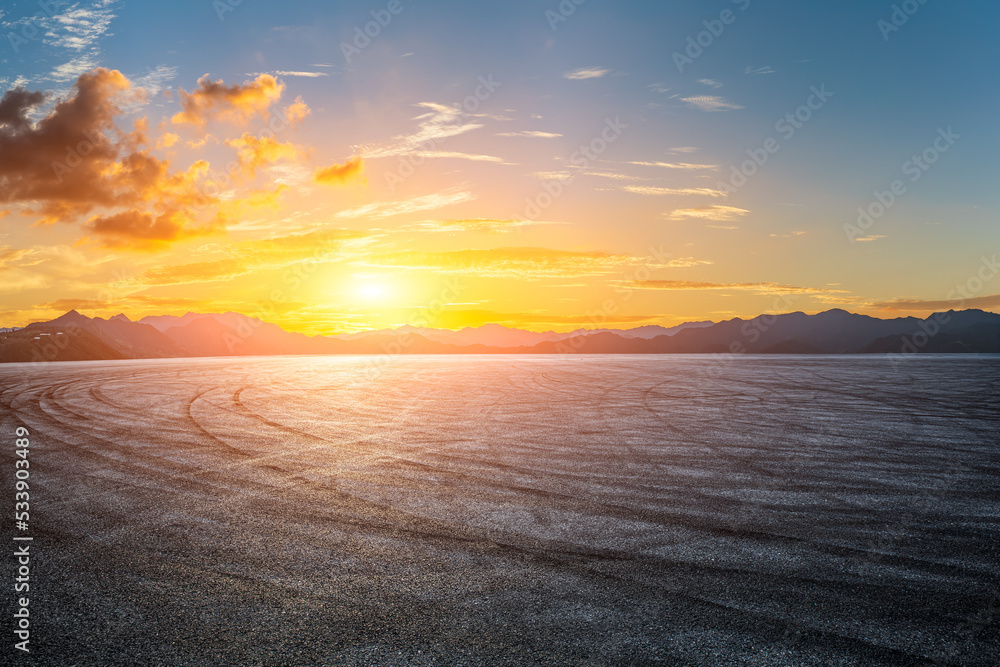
[[74, 336]]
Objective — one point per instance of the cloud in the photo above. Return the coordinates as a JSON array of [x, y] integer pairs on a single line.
[[478, 225], [238, 103], [760, 70], [717, 213], [76, 162], [586, 73], [414, 205], [461, 156], [684, 263], [710, 103], [439, 123], [710, 83], [122, 303], [530, 133], [338, 174], [677, 165], [649, 190], [281, 72], [506, 262], [684, 149], [141, 230], [553, 175], [761, 288], [33, 157], [74, 68], [155, 79], [262, 255], [456, 319], [658, 88], [984, 302], [872, 237], [9, 256], [79, 28], [167, 140], [297, 111], [255, 152], [614, 175]]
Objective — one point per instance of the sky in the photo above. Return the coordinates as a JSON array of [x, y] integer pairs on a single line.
[[337, 167]]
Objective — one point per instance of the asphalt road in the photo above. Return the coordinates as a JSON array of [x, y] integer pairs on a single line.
[[679, 510]]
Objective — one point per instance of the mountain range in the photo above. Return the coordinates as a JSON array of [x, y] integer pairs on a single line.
[[75, 337]]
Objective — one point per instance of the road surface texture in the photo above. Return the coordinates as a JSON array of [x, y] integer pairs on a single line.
[[509, 510]]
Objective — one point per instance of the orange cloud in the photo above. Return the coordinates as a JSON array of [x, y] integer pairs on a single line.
[[141, 230], [262, 255], [255, 152], [338, 174], [167, 140], [508, 262], [59, 163], [77, 163], [763, 288], [297, 111], [237, 103]]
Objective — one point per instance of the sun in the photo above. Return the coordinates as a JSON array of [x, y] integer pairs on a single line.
[[369, 288]]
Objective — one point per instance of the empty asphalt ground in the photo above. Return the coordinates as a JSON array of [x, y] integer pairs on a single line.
[[676, 510]]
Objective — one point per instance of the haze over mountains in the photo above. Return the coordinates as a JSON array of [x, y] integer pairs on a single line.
[[74, 337]]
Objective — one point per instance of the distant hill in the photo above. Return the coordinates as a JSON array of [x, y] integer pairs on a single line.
[[74, 336]]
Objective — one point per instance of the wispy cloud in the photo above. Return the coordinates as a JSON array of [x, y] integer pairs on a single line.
[[658, 88], [684, 149], [586, 73], [264, 254], [553, 175], [990, 301], [530, 133], [711, 83], [614, 175], [478, 225], [762, 288], [868, 239], [438, 123], [475, 157], [760, 70], [155, 79], [79, 28], [710, 103], [283, 72], [716, 213], [677, 165], [649, 190], [525, 263], [425, 203], [74, 68]]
